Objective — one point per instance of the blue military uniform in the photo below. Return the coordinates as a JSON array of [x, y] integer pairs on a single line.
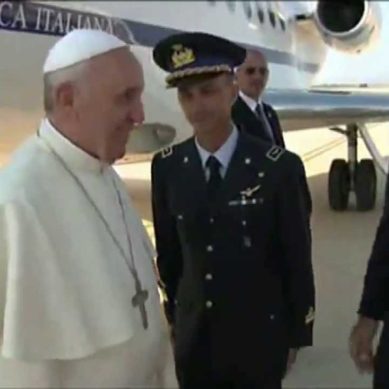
[[236, 270]]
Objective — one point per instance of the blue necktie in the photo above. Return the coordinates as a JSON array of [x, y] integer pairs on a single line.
[[215, 177]]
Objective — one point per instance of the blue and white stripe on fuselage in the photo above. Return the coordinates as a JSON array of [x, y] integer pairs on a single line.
[[28, 29]]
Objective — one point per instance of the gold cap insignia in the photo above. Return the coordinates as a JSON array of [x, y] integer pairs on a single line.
[[182, 56]]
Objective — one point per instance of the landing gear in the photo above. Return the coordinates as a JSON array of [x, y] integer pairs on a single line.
[[339, 185], [352, 176], [365, 185]]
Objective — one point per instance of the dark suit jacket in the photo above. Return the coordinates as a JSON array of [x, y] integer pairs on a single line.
[[246, 121], [245, 118], [251, 262], [375, 297]]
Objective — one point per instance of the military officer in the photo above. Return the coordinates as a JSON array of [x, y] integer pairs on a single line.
[[233, 244]]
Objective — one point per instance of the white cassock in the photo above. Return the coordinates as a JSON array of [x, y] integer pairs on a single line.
[[66, 314]]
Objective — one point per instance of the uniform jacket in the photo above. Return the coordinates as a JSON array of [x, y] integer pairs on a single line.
[[243, 264]]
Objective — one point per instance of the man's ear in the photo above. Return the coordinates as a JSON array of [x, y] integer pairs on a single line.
[[64, 96]]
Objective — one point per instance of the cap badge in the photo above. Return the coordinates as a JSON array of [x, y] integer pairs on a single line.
[[182, 56]]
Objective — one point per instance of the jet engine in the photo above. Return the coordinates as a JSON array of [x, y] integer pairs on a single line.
[[348, 25]]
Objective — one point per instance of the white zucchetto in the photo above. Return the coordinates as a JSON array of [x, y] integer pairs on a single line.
[[80, 45]]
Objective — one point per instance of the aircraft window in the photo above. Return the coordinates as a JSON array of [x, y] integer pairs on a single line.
[[231, 5], [247, 9], [260, 14], [272, 18]]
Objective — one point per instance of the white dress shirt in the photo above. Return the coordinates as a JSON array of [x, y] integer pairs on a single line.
[[223, 154]]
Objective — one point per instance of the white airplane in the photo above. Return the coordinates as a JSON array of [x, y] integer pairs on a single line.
[[295, 37]]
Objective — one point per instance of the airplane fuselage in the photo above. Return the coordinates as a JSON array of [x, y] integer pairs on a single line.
[[29, 29]]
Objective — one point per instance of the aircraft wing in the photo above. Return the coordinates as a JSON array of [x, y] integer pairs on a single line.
[[300, 110]]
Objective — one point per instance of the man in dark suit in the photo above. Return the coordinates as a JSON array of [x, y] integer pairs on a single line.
[[233, 243], [249, 111], [252, 115], [374, 308]]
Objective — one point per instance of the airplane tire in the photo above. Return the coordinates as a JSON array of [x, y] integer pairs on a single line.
[[338, 185], [365, 185]]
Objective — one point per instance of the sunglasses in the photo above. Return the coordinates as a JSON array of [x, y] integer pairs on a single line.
[[261, 70]]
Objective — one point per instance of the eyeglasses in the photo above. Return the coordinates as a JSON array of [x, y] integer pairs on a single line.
[[261, 70]]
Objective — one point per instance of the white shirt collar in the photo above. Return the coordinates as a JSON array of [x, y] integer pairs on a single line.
[[249, 101], [224, 153], [72, 155]]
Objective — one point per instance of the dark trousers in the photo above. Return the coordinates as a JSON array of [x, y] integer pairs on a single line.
[[198, 370]]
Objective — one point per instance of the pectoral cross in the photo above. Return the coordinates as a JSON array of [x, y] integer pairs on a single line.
[[139, 301]]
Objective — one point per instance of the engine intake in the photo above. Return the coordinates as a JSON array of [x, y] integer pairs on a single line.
[[348, 25]]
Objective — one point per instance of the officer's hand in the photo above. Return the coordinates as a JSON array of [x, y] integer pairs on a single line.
[[361, 344], [291, 359]]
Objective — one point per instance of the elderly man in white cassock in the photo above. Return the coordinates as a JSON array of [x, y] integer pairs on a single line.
[[79, 304]]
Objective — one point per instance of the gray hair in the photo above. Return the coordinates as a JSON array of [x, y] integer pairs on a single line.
[[51, 81]]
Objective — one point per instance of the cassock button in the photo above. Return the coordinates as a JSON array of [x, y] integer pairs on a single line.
[[247, 161], [180, 217], [261, 174], [210, 248], [244, 223], [209, 304], [208, 277], [186, 160], [211, 220]]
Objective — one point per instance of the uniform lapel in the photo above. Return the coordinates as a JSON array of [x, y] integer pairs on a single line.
[[193, 177]]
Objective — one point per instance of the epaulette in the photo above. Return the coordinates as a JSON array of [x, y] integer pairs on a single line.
[[167, 152], [275, 153]]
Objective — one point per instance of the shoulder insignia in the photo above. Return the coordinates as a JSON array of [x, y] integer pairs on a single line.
[[310, 317], [167, 152], [275, 153]]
